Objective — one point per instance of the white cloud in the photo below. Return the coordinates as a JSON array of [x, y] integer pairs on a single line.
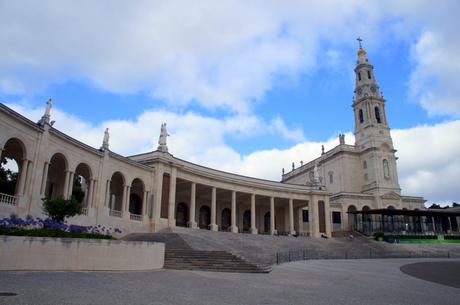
[[224, 54]]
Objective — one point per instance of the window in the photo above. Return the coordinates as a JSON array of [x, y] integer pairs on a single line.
[[359, 76], [386, 169], [364, 164], [331, 177], [361, 116], [377, 115], [336, 217], [304, 215], [369, 74]]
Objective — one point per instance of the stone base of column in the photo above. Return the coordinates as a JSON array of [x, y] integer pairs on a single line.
[[214, 227], [274, 232], [293, 232], [192, 225], [234, 229], [253, 231]]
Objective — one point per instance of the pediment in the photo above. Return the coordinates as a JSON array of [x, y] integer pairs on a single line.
[[391, 196]]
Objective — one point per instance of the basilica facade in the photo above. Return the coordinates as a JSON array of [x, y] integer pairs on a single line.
[[155, 190]]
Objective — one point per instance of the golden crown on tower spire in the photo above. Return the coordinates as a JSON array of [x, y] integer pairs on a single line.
[[361, 51]]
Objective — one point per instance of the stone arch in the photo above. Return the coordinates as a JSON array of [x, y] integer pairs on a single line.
[[390, 207], [57, 177], [182, 214], [267, 222], [378, 117], [117, 184], [204, 217], [14, 153], [351, 217], [136, 196], [246, 221], [226, 220], [82, 183]]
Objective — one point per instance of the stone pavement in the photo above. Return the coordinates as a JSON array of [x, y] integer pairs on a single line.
[[311, 282]]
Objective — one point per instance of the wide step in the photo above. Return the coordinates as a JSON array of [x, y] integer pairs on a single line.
[[210, 261]]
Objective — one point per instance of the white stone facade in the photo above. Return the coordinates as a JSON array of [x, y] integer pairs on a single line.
[[155, 190]]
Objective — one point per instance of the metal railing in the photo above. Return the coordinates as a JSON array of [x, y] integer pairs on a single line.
[[135, 217], [116, 213], [8, 199], [309, 254]]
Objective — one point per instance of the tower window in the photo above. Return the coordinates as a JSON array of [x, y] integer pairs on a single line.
[[359, 75], [377, 115], [368, 74], [364, 164], [331, 177], [361, 116]]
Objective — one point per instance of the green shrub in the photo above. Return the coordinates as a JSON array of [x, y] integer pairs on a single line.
[[44, 232], [58, 209]]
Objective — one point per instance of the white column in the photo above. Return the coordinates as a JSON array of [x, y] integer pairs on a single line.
[[65, 191], [70, 187], [107, 194], [123, 202], [144, 203], [272, 216], [44, 179], [28, 185], [313, 216], [89, 200], [128, 193], [291, 216], [22, 177], [213, 225], [253, 214], [172, 198], [234, 227], [192, 222]]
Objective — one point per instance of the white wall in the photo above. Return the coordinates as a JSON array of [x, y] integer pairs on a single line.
[[44, 253]]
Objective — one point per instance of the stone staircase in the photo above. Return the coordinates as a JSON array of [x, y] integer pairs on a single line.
[[221, 261], [179, 255]]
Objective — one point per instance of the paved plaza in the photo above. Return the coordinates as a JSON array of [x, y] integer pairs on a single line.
[[310, 282]]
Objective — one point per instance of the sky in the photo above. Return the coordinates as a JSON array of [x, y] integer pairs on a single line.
[[244, 86]]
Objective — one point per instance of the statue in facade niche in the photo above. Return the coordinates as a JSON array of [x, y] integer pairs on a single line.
[[316, 180], [162, 140]]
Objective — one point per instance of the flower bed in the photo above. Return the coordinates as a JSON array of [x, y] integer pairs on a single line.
[[38, 227]]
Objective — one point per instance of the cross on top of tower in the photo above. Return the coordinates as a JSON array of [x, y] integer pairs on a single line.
[[359, 41]]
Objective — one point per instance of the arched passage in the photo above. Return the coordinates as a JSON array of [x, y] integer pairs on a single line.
[[12, 169], [117, 184], [351, 218], [226, 219], [136, 197], [57, 180], [182, 215], [204, 217], [82, 183]]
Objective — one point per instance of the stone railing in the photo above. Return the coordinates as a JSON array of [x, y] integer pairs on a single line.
[[8, 199], [84, 211], [116, 213], [135, 217]]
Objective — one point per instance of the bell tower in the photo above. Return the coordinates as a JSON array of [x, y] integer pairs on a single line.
[[372, 134]]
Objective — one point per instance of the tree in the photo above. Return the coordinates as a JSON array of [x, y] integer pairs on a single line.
[[435, 206], [58, 209], [77, 191], [455, 205], [7, 178]]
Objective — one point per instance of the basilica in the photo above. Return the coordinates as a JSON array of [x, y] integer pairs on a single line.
[[153, 191]]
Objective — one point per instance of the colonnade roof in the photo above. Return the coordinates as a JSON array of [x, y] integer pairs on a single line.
[[220, 175]]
